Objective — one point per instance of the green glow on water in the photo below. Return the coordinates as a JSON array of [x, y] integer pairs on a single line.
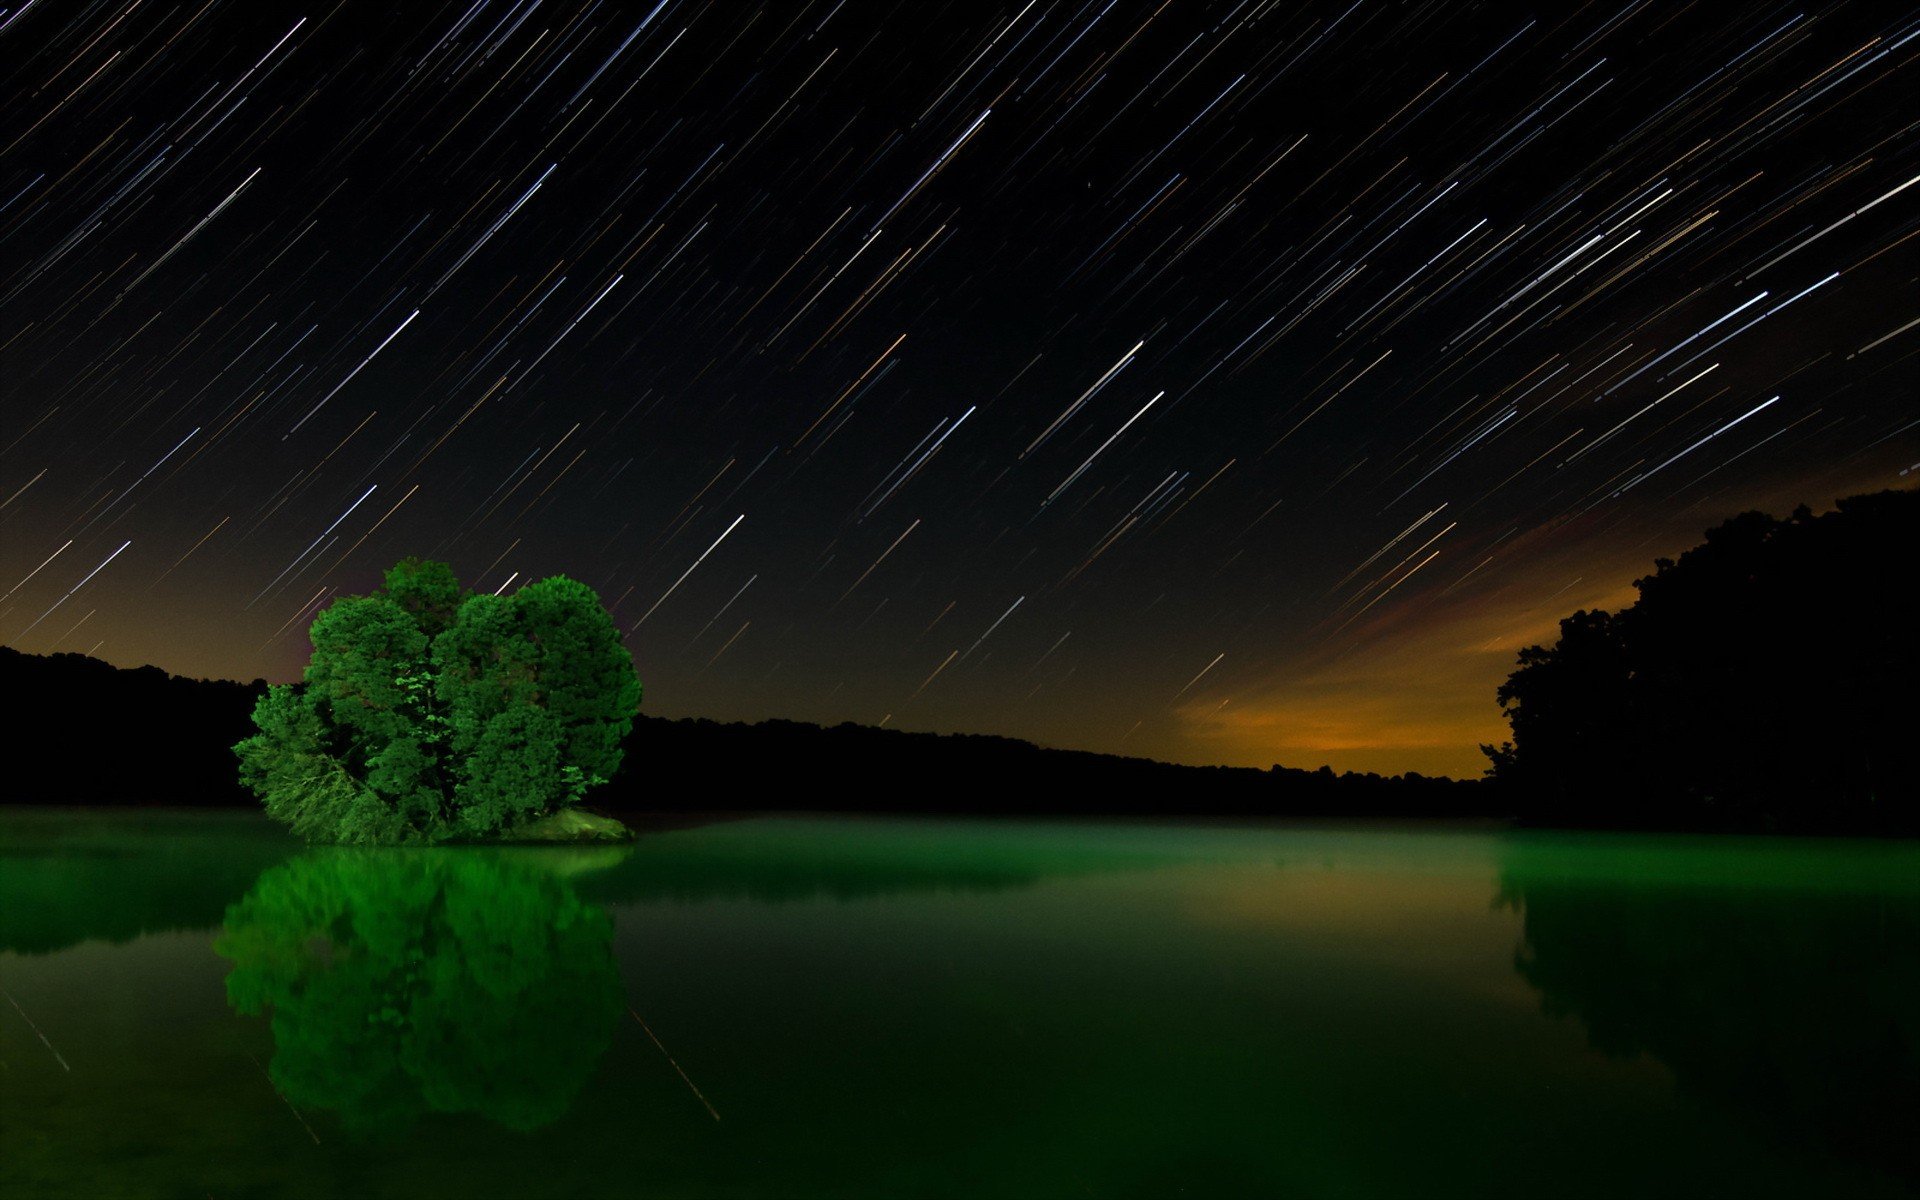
[[954, 1008]]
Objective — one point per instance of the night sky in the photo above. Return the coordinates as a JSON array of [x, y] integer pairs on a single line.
[[1225, 382]]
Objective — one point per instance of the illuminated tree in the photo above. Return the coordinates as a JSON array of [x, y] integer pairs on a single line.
[[427, 713]]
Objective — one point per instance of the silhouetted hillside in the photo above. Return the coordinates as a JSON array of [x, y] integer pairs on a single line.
[[82, 731], [860, 768], [1764, 681], [91, 733]]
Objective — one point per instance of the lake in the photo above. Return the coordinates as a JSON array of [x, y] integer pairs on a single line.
[[196, 1005]]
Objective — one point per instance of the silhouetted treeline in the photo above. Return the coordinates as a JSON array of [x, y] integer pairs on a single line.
[[82, 731], [90, 733], [1767, 680], [861, 768]]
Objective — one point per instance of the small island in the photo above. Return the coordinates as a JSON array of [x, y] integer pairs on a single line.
[[431, 714]]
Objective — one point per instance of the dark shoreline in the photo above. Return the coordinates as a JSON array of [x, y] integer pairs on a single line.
[[729, 771], [182, 730]]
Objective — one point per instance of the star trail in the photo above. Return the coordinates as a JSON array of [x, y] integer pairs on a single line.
[[1228, 382]]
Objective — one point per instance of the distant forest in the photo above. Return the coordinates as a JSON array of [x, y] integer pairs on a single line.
[[96, 734], [1767, 680]]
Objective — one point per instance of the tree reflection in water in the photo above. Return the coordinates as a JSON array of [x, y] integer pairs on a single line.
[[1795, 1009], [405, 982]]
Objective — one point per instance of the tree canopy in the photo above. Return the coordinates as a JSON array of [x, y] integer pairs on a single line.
[[428, 712], [1764, 681]]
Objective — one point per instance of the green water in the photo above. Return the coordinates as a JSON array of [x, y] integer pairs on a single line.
[[196, 1006]]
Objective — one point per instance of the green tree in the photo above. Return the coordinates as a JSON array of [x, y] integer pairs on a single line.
[[428, 713]]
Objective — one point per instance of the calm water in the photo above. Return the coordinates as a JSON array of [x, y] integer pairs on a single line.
[[196, 1006]]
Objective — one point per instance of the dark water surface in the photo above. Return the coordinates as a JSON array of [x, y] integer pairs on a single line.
[[197, 1006]]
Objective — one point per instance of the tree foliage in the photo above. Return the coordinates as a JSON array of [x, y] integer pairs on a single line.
[[1763, 681], [428, 713]]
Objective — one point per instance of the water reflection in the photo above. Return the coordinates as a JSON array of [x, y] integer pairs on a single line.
[[957, 1008], [68, 878], [402, 983], [1796, 1009], [776, 861]]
